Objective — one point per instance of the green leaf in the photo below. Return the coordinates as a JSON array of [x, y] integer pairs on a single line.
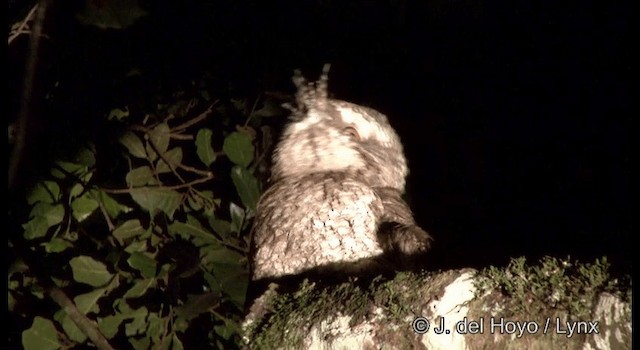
[[123, 307], [76, 190], [46, 192], [173, 156], [198, 304], [156, 240], [128, 229], [56, 245], [53, 214], [143, 263], [44, 216], [228, 329], [77, 171], [159, 138], [140, 288], [230, 275], [238, 147], [192, 230], [11, 300], [235, 286], [129, 313], [137, 326], [69, 235], [247, 186], [136, 246], [237, 217], [140, 176], [35, 228], [83, 206], [157, 199], [221, 256], [72, 329], [180, 325], [155, 331], [110, 205], [176, 344], [139, 344], [42, 335], [194, 200], [109, 325], [133, 143], [165, 269], [88, 302], [86, 157], [118, 114], [221, 227], [87, 270], [203, 199], [204, 149]]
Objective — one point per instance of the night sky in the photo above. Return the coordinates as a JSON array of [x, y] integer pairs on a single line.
[[515, 115]]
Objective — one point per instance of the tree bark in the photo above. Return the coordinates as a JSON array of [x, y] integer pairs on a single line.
[[443, 310]]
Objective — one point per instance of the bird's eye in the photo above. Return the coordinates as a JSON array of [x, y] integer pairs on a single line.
[[351, 131]]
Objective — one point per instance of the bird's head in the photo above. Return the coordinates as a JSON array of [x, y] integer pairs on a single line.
[[327, 135]]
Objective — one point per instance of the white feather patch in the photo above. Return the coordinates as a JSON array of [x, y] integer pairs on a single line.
[[366, 128]]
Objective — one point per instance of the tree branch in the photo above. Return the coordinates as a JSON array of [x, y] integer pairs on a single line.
[[195, 120], [87, 326], [26, 101], [438, 310], [175, 187], [22, 28]]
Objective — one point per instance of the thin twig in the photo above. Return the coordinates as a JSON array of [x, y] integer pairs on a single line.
[[166, 327], [194, 170], [142, 128], [195, 120], [87, 326], [233, 246], [175, 187], [255, 104], [118, 190], [161, 155], [27, 99], [168, 118], [23, 25], [191, 105], [194, 182], [180, 136], [106, 216]]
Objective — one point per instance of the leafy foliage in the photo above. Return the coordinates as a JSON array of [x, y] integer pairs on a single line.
[[155, 251], [563, 284], [293, 313]]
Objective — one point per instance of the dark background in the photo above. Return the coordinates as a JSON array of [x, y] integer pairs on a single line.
[[515, 115]]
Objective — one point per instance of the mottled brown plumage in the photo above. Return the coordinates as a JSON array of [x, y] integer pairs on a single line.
[[335, 195]]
